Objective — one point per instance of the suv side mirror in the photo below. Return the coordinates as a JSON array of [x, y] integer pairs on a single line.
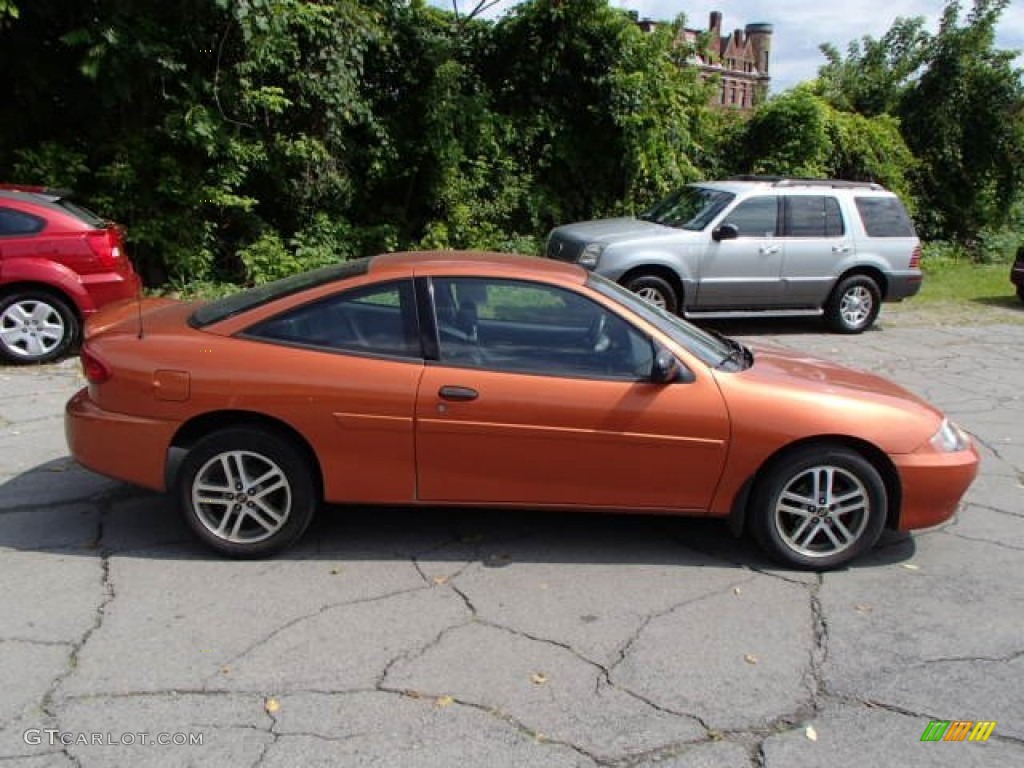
[[725, 232]]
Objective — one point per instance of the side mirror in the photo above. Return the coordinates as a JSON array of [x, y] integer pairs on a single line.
[[725, 232], [665, 369]]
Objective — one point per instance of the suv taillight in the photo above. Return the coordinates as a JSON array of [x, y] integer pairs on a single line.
[[95, 370], [106, 244], [915, 258]]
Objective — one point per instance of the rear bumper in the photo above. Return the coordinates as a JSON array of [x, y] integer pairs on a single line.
[[903, 285], [107, 287], [124, 447], [933, 485]]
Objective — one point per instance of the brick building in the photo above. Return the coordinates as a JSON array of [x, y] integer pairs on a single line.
[[741, 60]]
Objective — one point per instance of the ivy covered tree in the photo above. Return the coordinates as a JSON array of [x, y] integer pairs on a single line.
[[959, 103], [964, 120]]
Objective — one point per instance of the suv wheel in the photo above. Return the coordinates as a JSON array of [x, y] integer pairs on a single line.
[[35, 327], [853, 305], [656, 290]]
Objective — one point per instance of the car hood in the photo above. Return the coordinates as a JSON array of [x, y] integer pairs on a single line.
[[797, 395], [612, 229]]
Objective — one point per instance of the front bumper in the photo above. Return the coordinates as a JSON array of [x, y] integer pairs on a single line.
[[933, 484], [128, 448]]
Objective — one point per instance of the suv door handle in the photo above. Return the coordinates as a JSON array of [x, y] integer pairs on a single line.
[[840, 249], [457, 393], [769, 249]]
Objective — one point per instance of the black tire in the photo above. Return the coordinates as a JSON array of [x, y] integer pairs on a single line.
[[656, 290], [237, 520], [36, 327], [810, 530], [1020, 292], [853, 305]]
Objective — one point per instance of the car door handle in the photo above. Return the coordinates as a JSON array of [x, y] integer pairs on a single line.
[[457, 393], [840, 249], [769, 249]]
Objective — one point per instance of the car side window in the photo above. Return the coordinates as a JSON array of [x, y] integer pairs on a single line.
[[14, 223], [525, 327], [813, 216], [376, 319], [755, 217], [884, 217]]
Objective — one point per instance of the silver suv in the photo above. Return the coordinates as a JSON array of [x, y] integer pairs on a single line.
[[753, 246]]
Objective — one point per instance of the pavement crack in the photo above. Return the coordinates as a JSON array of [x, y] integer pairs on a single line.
[[271, 730], [49, 701], [627, 646], [819, 646], [413, 654], [305, 617], [504, 717], [982, 540]]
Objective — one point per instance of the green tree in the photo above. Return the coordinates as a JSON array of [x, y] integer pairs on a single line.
[[875, 73], [963, 120]]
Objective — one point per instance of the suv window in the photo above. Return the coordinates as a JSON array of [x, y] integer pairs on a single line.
[[884, 217], [14, 222], [523, 327], [813, 216], [755, 217], [378, 319]]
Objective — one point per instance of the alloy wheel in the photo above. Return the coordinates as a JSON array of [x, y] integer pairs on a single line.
[[242, 497], [822, 511]]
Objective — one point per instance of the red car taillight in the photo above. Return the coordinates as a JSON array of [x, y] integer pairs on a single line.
[[107, 245], [95, 370], [915, 258]]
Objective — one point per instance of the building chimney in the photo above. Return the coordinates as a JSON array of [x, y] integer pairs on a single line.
[[715, 22]]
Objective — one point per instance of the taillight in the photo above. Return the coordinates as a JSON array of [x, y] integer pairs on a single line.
[[106, 244], [915, 258], [95, 370]]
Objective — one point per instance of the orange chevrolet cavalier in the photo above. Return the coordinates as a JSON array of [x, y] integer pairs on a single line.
[[485, 379]]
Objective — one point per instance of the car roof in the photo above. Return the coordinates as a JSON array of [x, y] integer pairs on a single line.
[[469, 262], [739, 184]]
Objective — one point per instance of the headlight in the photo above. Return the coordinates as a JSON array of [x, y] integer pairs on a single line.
[[950, 438], [590, 256]]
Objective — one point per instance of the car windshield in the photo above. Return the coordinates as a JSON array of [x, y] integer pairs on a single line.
[[710, 349], [691, 208], [243, 301]]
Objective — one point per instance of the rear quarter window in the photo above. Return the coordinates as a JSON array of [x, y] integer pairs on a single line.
[[884, 217], [14, 223]]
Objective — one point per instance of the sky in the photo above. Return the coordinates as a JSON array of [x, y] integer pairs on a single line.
[[800, 26]]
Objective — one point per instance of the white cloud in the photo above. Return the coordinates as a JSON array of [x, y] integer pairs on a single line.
[[801, 26]]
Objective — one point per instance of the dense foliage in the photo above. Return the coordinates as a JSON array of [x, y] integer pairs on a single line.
[[244, 139]]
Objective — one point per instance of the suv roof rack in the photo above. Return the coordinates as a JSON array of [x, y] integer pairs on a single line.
[[798, 181]]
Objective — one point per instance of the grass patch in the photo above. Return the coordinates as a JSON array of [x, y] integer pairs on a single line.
[[958, 282]]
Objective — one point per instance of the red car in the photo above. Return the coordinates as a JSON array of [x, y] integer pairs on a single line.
[[59, 263], [488, 380]]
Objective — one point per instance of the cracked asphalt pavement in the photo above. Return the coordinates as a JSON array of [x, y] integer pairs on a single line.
[[398, 637]]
